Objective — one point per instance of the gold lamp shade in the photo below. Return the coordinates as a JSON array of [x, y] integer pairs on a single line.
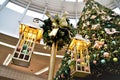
[[80, 44], [29, 30]]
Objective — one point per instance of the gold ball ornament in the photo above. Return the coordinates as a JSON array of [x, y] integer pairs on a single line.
[[83, 64], [102, 40], [115, 59]]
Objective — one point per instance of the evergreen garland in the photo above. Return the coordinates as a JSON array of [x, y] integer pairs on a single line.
[[63, 35]]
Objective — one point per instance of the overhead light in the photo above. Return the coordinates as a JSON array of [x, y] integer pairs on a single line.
[[7, 60], [45, 54], [41, 71], [7, 45]]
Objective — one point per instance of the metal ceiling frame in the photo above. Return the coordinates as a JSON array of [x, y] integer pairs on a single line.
[[43, 9]]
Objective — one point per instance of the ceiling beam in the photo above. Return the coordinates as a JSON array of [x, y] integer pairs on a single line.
[[62, 8], [46, 6], [117, 3], [25, 11]]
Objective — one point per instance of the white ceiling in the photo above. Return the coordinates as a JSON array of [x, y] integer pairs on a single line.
[[58, 6]]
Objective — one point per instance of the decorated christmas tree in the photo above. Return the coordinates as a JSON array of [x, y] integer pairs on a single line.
[[102, 27]]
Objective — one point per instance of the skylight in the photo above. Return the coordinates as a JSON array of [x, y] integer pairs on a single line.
[[71, 0], [80, 0], [34, 14], [74, 22], [117, 10], [15, 7], [2, 1], [74, 0]]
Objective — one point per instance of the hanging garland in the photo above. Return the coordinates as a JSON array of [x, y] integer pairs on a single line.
[[57, 29]]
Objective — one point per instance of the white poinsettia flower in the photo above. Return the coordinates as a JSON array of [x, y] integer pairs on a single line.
[[88, 23], [95, 27], [84, 24], [113, 31], [108, 17], [93, 16]]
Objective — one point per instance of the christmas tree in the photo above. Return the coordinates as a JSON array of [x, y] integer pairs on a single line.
[[102, 27]]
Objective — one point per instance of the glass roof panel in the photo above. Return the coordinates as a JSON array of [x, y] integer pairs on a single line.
[[34, 14], [80, 0], [15, 7], [71, 0], [2, 1], [117, 10]]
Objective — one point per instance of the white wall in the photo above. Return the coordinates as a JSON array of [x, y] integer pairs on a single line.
[[9, 22]]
